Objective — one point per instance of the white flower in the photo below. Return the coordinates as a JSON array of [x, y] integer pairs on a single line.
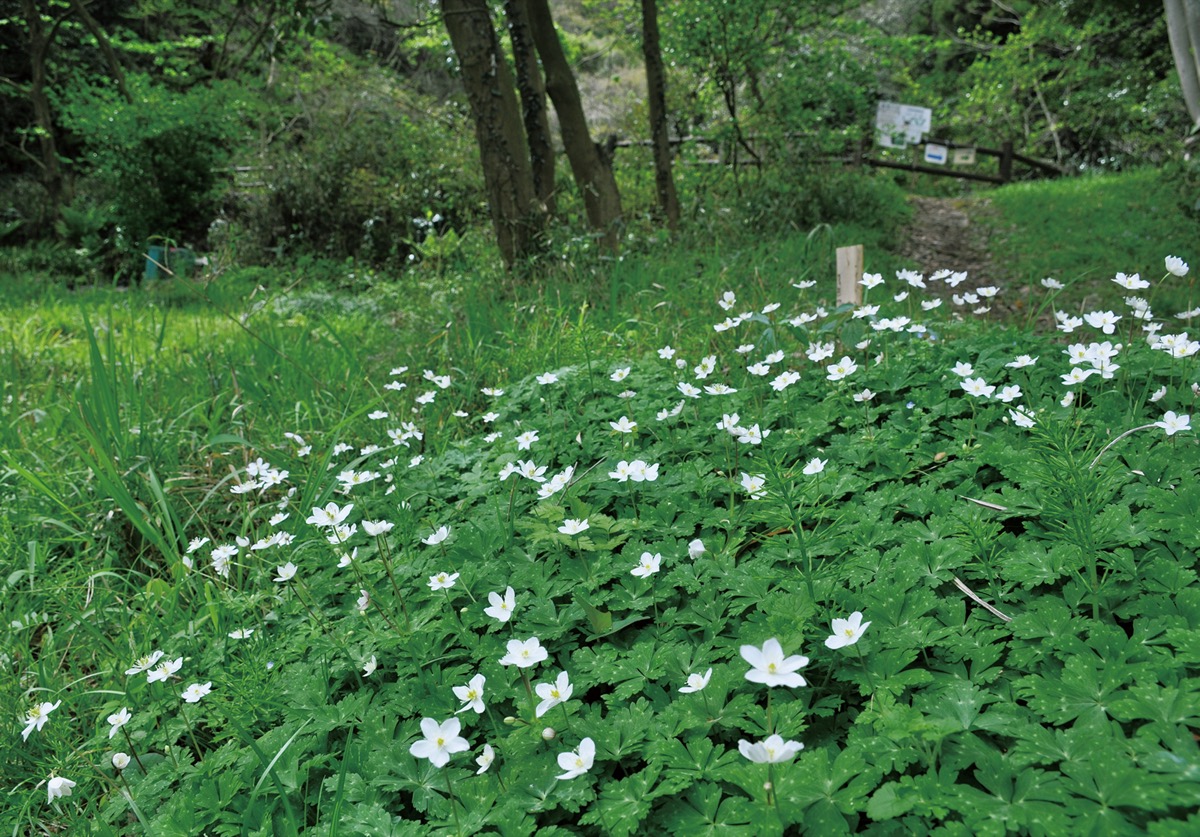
[[1173, 423], [963, 370], [1158, 395], [752, 435], [437, 536], [526, 439], [1021, 418], [696, 682], [648, 565], [164, 670], [1131, 283], [784, 380], [241, 633], [196, 691], [815, 466], [847, 631], [524, 654], [871, 280], [688, 389], [640, 471], [547, 378], [58, 786], [1021, 362], [573, 527], [485, 760], [578, 762], [471, 694], [1009, 394], [369, 666], [442, 581], [1106, 321], [620, 375], [441, 741], [1052, 284], [118, 720], [374, 528], [774, 750], [666, 353], [864, 396], [286, 573], [364, 601], [977, 387], [1176, 266], [143, 663], [623, 425], [770, 667], [842, 369], [696, 549], [120, 760], [552, 694], [37, 716], [501, 608], [754, 484]]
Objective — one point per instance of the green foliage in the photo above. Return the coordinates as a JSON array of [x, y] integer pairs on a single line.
[[155, 161], [1065, 707], [362, 169]]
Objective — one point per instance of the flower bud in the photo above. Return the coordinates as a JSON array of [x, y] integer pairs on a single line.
[[548, 734], [510, 720]]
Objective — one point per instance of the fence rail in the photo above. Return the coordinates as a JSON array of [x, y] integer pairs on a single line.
[[1006, 155]]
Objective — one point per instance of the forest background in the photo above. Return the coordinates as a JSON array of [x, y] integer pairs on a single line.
[[334, 133]]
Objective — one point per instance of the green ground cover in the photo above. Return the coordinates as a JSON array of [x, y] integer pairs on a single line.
[[259, 536]]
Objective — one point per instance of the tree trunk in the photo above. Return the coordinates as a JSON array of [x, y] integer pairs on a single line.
[[592, 168], [39, 51], [533, 101], [110, 55], [489, 86], [656, 86], [1183, 31]]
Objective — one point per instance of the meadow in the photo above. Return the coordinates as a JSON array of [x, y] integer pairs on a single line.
[[673, 544]]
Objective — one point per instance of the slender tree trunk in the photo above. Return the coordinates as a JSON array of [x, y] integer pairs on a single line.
[[590, 166], [489, 86], [656, 86], [1183, 31], [533, 101], [53, 178], [110, 55]]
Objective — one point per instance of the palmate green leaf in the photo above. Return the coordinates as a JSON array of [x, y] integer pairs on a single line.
[[1032, 562], [1117, 783], [1013, 799], [1084, 741], [959, 705], [928, 795], [1081, 690], [705, 811], [826, 775], [624, 804], [1175, 512], [627, 670], [1166, 705], [694, 759]]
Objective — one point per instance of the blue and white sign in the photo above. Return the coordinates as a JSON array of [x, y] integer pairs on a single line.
[[936, 154]]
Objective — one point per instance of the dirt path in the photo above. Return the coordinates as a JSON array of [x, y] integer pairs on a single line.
[[942, 235]]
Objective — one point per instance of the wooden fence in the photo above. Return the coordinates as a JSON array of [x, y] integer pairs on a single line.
[[1007, 157]]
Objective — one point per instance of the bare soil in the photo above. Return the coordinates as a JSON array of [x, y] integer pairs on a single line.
[[944, 233]]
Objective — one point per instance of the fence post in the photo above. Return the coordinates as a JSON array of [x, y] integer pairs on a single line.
[[1006, 161], [849, 272]]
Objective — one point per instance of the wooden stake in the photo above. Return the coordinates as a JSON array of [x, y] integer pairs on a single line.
[[849, 272]]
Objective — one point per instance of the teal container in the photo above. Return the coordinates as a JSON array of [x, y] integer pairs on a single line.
[[155, 255]]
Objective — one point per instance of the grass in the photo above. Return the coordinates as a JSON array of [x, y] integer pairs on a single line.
[[1062, 702], [1090, 228]]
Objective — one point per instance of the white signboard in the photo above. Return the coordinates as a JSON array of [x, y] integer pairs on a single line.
[[936, 154], [897, 125], [963, 157]]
